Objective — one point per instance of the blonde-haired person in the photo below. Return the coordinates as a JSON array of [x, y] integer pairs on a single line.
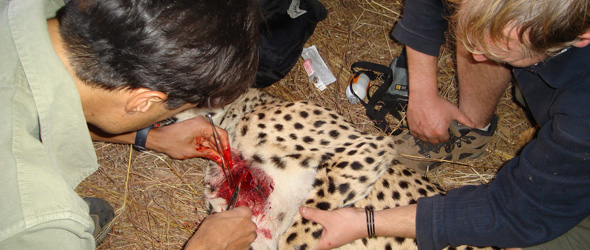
[[538, 200]]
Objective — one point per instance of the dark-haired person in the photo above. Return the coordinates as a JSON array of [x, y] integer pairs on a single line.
[[539, 199], [114, 66]]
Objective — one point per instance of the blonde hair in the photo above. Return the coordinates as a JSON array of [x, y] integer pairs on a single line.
[[543, 26]]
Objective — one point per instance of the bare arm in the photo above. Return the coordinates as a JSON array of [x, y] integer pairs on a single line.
[[346, 225], [429, 115], [187, 139]]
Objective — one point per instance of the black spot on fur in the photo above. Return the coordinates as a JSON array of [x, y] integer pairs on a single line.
[[261, 136], [320, 193], [299, 148], [400, 240], [356, 165], [294, 156], [396, 195], [261, 125], [316, 235], [340, 150], [289, 104], [342, 164], [298, 126], [293, 136], [291, 237], [331, 186], [256, 158], [244, 130], [334, 134], [279, 127], [278, 112], [318, 124], [363, 179], [324, 142], [335, 117], [369, 160], [318, 182], [360, 144], [350, 196], [260, 116], [422, 192], [353, 137], [303, 114], [305, 163], [280, 139], [323, 205], [407, 172], [308, 139], [343, 188], [317, 112], [279, 163], [287, 117], [352, 152], [380, 196], [403, 184], [385, 183], [418, 182]]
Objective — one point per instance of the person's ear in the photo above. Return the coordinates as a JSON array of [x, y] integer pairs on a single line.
[[142, 99], [583, 40]]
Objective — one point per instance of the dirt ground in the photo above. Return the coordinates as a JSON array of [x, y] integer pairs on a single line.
[[158, 200]]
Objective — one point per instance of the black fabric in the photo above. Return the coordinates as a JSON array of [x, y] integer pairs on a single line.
[[283, 37]]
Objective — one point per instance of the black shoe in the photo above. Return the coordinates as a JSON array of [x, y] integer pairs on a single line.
[[102, 214]]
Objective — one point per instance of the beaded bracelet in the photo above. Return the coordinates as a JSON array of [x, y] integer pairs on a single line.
[[370, 217]]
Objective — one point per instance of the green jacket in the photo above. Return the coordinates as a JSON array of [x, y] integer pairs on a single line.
[[45, 146]]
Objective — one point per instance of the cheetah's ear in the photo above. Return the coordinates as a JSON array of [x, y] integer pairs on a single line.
[[142, 99]]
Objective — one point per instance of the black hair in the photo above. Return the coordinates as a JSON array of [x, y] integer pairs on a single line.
[[195, 51]]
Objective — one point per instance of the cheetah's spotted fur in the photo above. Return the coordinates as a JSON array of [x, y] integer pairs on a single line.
[[317, 159]]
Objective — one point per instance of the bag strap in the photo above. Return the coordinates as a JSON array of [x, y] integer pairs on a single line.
[[380, 104]]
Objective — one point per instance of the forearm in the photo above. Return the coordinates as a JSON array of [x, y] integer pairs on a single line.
[[152, 142], [396, 222], [422, 71]]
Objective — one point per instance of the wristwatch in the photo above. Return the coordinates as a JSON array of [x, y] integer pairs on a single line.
[[141, 138]]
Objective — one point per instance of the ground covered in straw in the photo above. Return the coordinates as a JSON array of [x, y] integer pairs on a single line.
[[158, 200]]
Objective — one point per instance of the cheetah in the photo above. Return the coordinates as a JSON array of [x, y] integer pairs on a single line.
[[298, 153]]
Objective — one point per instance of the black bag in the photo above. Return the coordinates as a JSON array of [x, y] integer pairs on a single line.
[[391, 97], [283, 36]]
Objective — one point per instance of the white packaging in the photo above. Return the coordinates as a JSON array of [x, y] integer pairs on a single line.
[[316, 68], [359, 84]]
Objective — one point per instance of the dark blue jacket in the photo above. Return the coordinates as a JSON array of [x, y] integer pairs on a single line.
[[536, 196]]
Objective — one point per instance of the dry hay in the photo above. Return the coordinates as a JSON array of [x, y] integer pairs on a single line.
[[158, 200]]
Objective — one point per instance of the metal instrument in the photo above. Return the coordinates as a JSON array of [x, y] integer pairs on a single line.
[[225, 166]]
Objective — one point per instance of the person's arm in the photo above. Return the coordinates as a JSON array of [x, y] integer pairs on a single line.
[[346, 225], [232, 229], [429, 115], [422, 30], [186, 139]]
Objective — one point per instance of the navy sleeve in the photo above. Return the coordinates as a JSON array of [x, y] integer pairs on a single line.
[[535, 197], [423, 26]]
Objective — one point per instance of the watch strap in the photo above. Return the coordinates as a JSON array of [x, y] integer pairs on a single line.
[[141, 138]]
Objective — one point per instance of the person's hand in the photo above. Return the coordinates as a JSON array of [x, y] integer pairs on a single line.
[[429, 118], [232, 229], [341, 226], [187, 139], [429, 115]]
